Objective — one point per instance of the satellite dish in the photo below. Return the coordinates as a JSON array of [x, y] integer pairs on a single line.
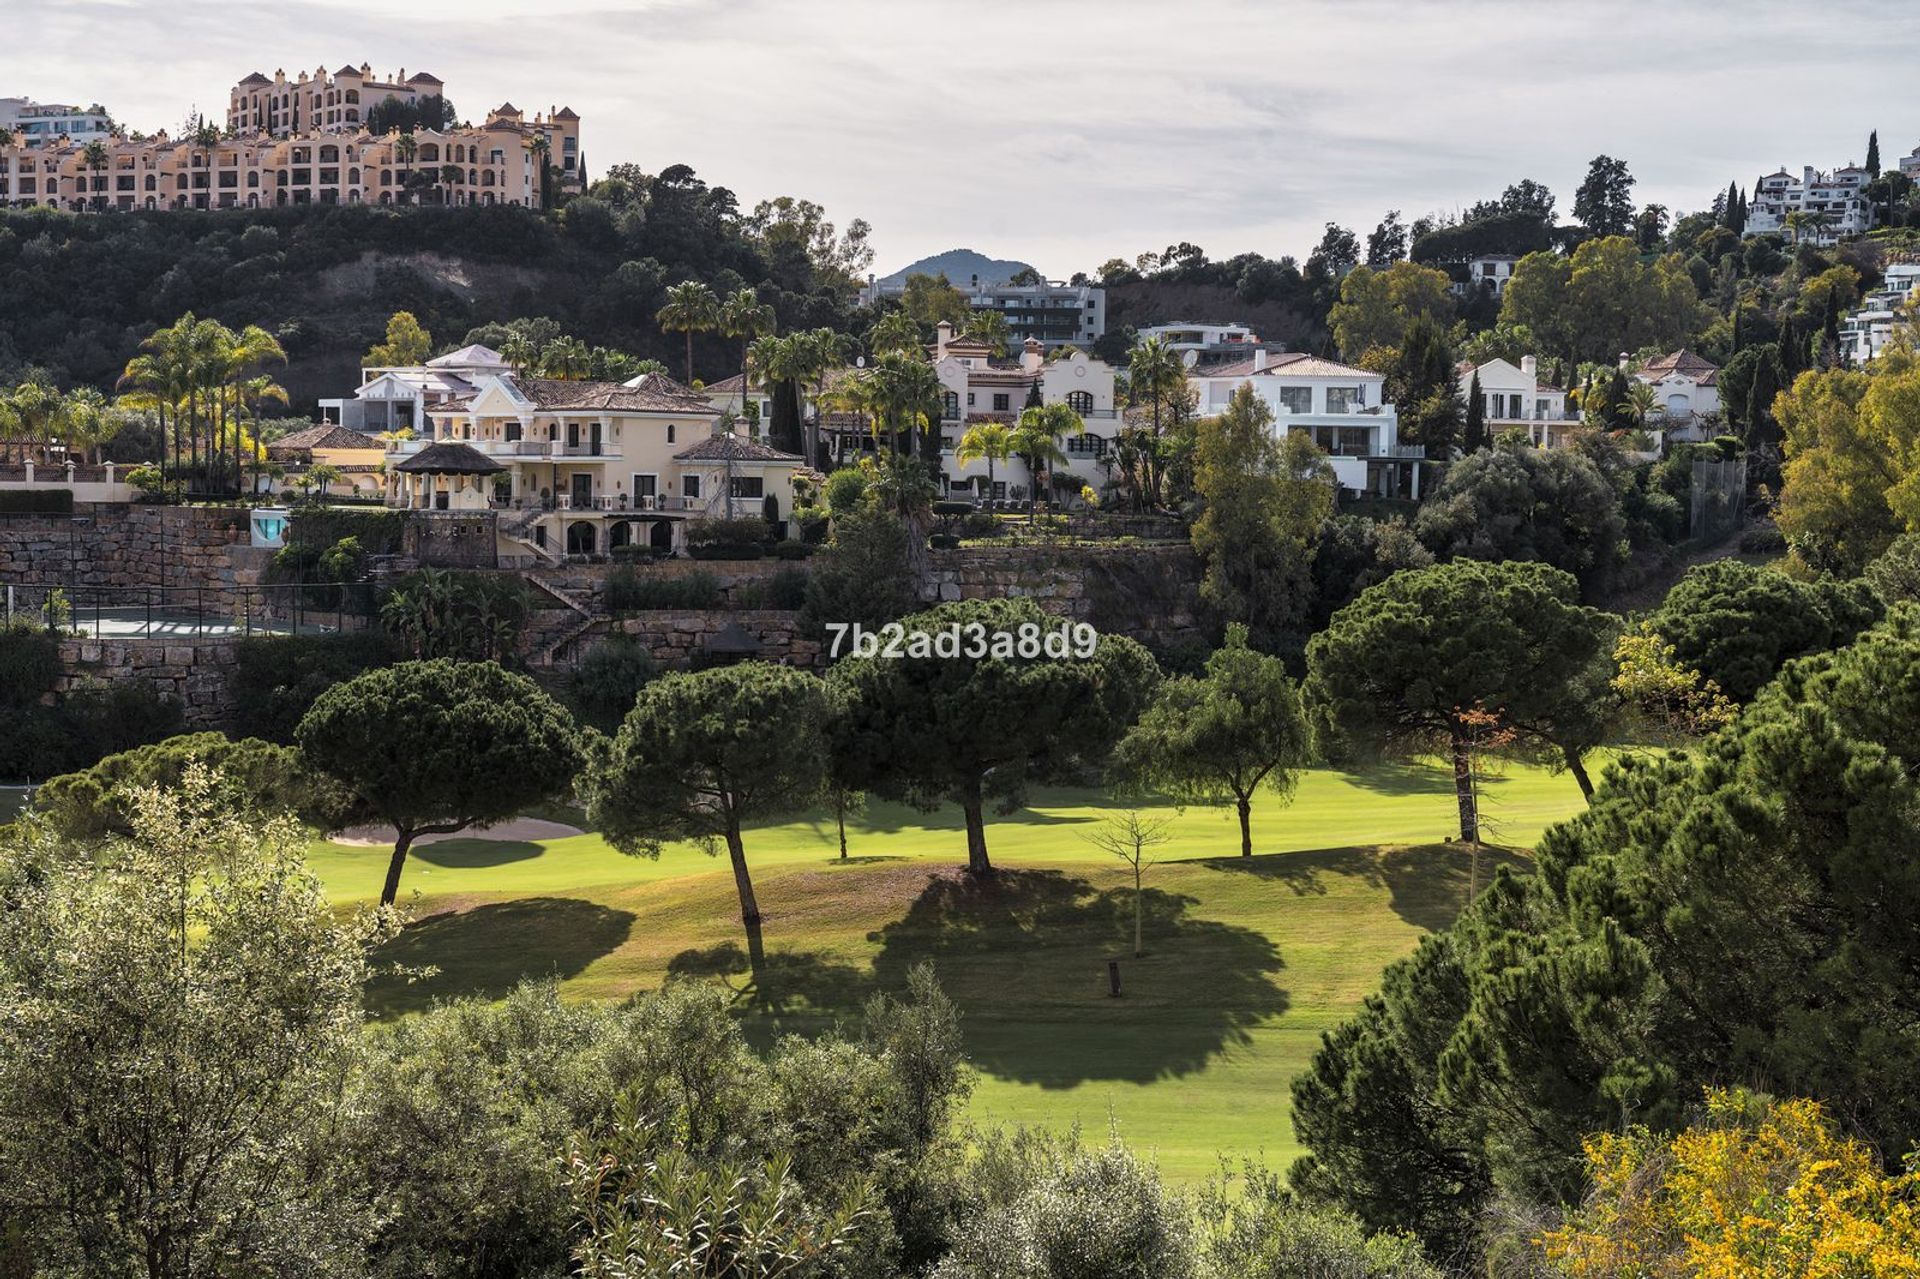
[[1190, 358]]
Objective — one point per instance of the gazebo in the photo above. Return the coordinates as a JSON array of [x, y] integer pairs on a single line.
[[464, 468]]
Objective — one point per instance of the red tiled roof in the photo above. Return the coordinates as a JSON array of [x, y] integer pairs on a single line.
[[733, 448], [324, 436], [656, 393], [1683, 362]]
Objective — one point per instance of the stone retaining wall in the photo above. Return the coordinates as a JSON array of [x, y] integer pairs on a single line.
[[680, 637], [195, 674], [125, 546], [1150, 593]]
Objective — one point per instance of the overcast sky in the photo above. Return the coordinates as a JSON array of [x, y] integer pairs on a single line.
[[1065, 132]]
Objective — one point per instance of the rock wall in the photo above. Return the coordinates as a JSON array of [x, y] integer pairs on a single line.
[[1149, 593], [131, 546], [195, 674], [451, 539], [681, 637]]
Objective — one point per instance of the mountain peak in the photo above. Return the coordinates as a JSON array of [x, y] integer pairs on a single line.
[[960, 266]]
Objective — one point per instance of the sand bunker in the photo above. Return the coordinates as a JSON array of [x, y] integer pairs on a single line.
[[520, 829]]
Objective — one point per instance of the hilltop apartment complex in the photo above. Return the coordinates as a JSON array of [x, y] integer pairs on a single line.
[[1818, 208], [304, 142], [39, 123]]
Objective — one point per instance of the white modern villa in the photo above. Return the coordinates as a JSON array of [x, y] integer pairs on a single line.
[[1865, 332], [1513, 396], [396, 398], [1830, 206], [1341, 408]]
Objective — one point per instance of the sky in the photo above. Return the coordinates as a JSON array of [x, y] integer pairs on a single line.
[[1067, 132]]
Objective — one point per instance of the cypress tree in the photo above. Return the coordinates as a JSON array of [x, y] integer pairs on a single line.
[[1873, 154], [1476, 433]]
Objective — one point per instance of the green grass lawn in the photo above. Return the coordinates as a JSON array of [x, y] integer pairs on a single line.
[[1248, 961]]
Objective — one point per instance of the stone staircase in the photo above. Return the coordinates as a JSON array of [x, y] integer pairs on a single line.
[[547, 640], [517, 528]]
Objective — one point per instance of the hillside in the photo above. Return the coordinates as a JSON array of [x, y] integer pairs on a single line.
[[960, 266], [1138, 303], [78, 292]]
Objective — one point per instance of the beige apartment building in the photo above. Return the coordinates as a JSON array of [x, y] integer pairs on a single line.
[[319, 103]]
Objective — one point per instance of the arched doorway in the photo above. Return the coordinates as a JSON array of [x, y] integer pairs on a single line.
[[580, 538], [660, 536], [619, 534]]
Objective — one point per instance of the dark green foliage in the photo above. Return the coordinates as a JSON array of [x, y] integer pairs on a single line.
[[1474, 436], [40, 737], [314, 529], [37, 501], [1737, 624], [865, 574], [434, 747], [467, 616], [1739, 912], [277, 677], [631, 590], [1223, 736], [727, 539], [250, 775], [1895, 575], [1521, 503], [1604, 202], [1404, 665], [1425, 384], [700, 754], [602, 688], [786, 589], [1519, 232], [932, 729]]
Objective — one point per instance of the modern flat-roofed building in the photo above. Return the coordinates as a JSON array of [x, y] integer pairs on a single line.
[[1210, 344], [53, 123], [1817, 208]]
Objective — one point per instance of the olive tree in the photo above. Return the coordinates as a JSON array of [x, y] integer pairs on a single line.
[[1225, 735], [432, 748], [929, 727], [702, 753], [179, 1007]]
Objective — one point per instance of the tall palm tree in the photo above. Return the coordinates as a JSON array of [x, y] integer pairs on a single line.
[[94, 156], [989, 327], [775, 360], [86, 421], [36, 408], [819, 354], [520, 353], [903, 395], [242, 355], [991, 441], [1036, 441], [567, 358], [691, 308], [206, 136], [158, 378], [1155, 375], [542, 150], [894, 332], [404, 150], [744, 316]]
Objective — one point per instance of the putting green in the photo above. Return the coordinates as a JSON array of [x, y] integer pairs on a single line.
[[1248, 961]]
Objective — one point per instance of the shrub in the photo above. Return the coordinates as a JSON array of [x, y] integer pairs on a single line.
[[786, 589], [944, 541], [717, 539], [865, 575], [36, 501], [277, 677], [845, 491], [791, 550], [1763, 539], [602, 688], [1895, 576], [979, 524], [629, 591]]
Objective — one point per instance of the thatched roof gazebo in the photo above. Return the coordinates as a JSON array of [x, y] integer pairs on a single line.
[[461, 465]]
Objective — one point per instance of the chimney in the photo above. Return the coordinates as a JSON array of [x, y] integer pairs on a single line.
[[1032, 355], [1529, 366], [942, 334], [1259, 359]]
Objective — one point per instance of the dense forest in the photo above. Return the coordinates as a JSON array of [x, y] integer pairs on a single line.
[[78, 292]]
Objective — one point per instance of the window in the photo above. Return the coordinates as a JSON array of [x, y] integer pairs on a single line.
[[1346, 399], [969, 399], [646, 487], [690, 486], [669, 432], [1296, 399], [950, 404], [1002, 402], [1080, 401], [749, 486]]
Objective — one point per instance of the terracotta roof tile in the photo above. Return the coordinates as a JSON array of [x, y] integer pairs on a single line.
[[733, 448]]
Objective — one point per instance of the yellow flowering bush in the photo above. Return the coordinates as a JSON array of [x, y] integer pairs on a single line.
[[1761, 1189]]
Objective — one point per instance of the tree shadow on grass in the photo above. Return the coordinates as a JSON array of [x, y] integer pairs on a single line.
[[1427, 885], [1024, 954], [789, 982], [475, 854], [488, 950]]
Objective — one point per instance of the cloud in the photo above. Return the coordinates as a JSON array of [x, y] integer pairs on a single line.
[[1065, 133]]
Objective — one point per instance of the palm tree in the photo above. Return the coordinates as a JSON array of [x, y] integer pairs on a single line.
[[206, 136], [323, 474], [1642, 401], [743, 315], [566, 358], [86, 421], [519, 352], [775, 360], [35, 409], [1036, 441], [404, 150], [894, 332], [691, 308], [158, 377], [95, 157], [989, 327], [818, 353], [241, 355], [1154, 372], [902, 393], [542, 150], [992, 441]]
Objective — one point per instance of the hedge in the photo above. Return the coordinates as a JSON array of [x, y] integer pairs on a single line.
[[36, 501]]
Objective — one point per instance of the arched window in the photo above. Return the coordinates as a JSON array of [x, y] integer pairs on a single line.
[[386, 177], [473, 177], [253, 178], [329, 155], [1080, 401], [950, 405], [353, 177], [430, 153]]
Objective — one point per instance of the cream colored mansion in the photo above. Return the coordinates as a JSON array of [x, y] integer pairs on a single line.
[[304, 142]]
